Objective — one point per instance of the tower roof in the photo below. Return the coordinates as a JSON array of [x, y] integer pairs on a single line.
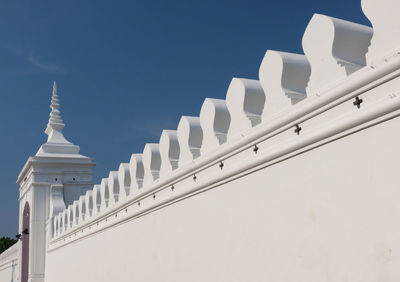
[[57, 151]]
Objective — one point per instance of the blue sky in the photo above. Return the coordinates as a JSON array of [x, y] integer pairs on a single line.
[[125, 70]]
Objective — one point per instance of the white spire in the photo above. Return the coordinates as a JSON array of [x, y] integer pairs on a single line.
[[55, 121], [56, 143]]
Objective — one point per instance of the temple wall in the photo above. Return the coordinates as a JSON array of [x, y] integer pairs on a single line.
[[292, 177], [329, 214], [9, 264]]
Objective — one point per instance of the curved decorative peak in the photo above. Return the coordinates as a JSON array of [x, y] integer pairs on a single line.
[[56, 142], [89, 203], [245, 100], [169, 151], [105, 193], [98, 201], [124, 179], [136, 171], [385, 21], [82, 208], [75, 212], [151, 163], [214, 121], [113, 186], [190, 137], [284, 77], [70, 212], [335, 49]]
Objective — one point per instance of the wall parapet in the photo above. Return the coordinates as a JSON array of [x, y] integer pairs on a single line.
[[244, 133]]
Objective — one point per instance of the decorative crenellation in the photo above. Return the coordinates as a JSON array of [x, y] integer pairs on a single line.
[[151, 163], [124, 179], [136, 171], [283, 77], [76, 215], [88, 199], [82, 206], [70, 217], [113, 186], [106, 195], [335, 50], [385, 21], [214, 121], [98, 200], [245, 100], [190, 136], [169, 151]]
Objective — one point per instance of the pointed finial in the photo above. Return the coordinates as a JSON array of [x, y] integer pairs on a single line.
[[56, 144], [55, 121]]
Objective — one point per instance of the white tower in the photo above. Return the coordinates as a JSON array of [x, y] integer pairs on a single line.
[[55, 177]]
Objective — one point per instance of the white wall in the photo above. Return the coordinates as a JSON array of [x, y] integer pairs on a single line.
[[9, 272], [9, 264], [330, 214], [271, 203]]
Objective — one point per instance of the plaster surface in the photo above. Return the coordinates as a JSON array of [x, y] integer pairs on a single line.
[[293, 221]]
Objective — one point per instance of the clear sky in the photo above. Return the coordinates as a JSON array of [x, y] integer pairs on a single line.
[[125, 70]]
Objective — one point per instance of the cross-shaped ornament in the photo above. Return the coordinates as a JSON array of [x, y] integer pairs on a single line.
[[358, 102], [297, 129]]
